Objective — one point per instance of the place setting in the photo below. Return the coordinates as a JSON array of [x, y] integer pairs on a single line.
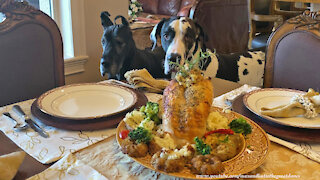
[[283, 116], [88, 106], [68, 118]]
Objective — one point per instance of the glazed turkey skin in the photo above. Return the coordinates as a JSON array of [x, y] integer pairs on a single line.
[[186, 108]]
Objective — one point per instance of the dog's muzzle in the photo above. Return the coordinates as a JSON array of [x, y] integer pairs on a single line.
[[105, 69], [171, 63], [174, 57]]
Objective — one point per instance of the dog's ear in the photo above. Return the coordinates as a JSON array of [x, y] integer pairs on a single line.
[[105, 20], [156, 32], [123, 20], [202, 36]]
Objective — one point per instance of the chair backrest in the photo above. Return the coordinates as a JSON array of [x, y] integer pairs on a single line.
[[286, 9], [166, 7], [226, 22], [31, 53], [293, 54]]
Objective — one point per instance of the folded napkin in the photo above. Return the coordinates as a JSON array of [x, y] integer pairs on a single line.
[[69, 167], [59, 143], [142, 79], [301, 104], [310, 150], [10, 163]]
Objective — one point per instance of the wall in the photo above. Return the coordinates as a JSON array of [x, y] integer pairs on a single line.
[[93, 33]]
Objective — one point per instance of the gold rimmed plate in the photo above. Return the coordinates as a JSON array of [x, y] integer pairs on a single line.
[[253, 154], [86, 101], [273, 97]]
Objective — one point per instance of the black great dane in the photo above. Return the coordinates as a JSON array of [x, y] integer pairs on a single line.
[[120, 53], [182, 38]]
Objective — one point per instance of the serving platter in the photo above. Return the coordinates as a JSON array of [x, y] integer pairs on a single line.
[[86, 101], [273, 97], [252, 156]]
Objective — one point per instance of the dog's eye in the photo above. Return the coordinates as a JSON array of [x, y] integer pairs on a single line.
[[166, 37], [103, 41], [120, 43]]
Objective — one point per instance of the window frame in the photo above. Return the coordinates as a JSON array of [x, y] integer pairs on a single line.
[[69, 16]]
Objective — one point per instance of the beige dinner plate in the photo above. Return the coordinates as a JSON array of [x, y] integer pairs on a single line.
[[86, 101], [252, 156], [273, 97]]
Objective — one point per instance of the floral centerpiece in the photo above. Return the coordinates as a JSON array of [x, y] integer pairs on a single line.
[[134, 8]]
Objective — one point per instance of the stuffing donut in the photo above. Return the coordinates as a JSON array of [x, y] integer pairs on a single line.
[[206, 164], [134, 150], [161, 161]]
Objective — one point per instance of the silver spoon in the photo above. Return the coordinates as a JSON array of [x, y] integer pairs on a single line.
[[18, 126]]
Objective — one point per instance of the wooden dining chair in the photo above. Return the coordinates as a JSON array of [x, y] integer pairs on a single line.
[[262, 22], [293, 51], [31, 53], [286, 9]]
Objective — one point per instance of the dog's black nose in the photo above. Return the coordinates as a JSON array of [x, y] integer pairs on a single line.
[[174, 57]]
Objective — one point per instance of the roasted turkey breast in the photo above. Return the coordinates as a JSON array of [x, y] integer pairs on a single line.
[[186, 108]]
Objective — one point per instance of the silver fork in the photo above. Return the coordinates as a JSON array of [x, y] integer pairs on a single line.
[[32, 124], [18, 126]]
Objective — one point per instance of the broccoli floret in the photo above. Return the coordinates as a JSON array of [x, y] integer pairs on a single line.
[[201, 147], [140, 135], [151, 110], [240, 125]]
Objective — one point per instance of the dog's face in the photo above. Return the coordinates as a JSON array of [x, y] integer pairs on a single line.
[[116, 43], [179, 38]]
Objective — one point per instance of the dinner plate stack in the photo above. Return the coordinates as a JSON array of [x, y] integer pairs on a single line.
[[88, 106]]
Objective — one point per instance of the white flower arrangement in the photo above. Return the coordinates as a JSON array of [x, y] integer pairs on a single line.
[[134, 8]]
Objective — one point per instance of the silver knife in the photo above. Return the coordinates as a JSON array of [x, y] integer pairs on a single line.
[[33, 125]]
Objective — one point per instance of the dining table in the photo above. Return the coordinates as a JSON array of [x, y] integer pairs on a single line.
[[285, 159], [314, 4]]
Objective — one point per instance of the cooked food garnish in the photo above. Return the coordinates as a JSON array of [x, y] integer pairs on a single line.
[[224, 146], [172, 160], [221, 131], [240, 125], [140, 135], [124, 134], [133, 119], [165, 141], [207, 164], [133, 149], [147, 117], [148, 124], [217, 121], [161, 161], [201, 147], [151, 110]]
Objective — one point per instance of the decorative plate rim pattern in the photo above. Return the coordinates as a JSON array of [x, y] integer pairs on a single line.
[[255, 153], [268, 118], [41, 97]]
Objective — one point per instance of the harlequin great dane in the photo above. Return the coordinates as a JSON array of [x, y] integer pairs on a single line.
[[182, 38]]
